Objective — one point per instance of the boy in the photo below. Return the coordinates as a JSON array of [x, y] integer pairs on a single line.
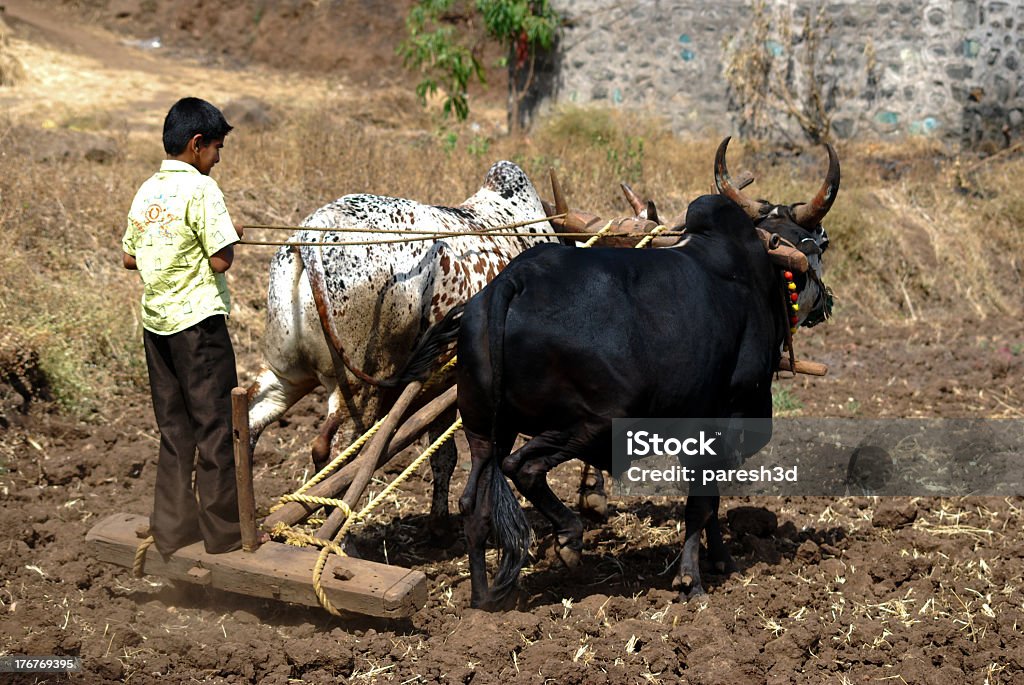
[[180, 238]]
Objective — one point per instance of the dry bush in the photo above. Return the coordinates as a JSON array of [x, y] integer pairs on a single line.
[[903, 242], [782, 80], [11, 70]]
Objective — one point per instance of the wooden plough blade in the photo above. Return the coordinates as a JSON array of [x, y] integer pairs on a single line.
[[274, 571]]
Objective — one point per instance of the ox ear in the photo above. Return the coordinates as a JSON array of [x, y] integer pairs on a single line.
[[652, 212]]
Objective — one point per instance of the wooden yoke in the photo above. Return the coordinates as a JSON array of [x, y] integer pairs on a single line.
[[803, 366], [783, 255], [577, 221]]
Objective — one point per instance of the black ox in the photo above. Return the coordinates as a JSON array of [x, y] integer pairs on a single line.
[[564, 340]]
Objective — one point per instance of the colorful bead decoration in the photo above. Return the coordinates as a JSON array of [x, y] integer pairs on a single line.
[[793, 297]]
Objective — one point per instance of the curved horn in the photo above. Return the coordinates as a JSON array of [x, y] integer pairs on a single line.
[[632, 198], [725, 186], [556, 189], [810, 215]]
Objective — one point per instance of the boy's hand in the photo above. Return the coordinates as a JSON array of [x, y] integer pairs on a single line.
[[239, 229]]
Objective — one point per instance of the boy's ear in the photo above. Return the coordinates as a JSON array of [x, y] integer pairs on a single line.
[[195, 142]]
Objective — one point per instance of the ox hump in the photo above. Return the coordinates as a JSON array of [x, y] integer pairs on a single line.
[[508, 180], [507, 196]]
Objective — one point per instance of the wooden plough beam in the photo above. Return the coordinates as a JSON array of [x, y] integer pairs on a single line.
[[293, 512]]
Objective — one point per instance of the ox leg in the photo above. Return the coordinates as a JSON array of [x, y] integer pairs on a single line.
[[270, 396], [593, 501], [699, 511], [442, 465], [321, 449], [718, 553], [324, 448], [528, 468]]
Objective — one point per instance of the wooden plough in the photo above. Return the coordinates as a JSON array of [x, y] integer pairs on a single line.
[[301, 575], [273, 571]]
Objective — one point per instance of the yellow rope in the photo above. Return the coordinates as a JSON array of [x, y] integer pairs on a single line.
[[401, 478], [319, 501], [650, 236], [139, 565], [332, 547], [598, 235], [299, 539], [341, 458]]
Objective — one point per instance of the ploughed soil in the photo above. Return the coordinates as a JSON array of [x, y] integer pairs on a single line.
[[858, 588], [837, 590]]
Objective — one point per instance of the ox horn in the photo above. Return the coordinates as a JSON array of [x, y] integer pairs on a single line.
[[810, 215], [556, 189], [574, 220], [638, 205], [725, 186], [632, 198]]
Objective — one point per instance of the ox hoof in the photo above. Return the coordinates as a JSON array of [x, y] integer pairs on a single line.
[[694, 593], [569, 556], [594, 505], [443, 531], [687, 586], [494, 601], [567, 550], [683, 582]]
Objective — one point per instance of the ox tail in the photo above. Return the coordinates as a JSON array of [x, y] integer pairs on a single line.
[[511, 529], [430, 346], [314, 269]]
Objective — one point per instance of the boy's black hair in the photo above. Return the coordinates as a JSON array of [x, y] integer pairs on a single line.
[[188, 117]]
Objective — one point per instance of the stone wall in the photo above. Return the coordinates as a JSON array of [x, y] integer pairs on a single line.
[[949, 68]]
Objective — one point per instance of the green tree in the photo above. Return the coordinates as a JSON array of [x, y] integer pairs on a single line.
[[450, 59]]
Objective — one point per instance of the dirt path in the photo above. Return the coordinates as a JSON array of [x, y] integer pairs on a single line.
[[87, 77]]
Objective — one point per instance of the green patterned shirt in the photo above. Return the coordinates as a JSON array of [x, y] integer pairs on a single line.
[[178, 220]]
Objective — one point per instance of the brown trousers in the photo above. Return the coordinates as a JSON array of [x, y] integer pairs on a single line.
[[191, 374]]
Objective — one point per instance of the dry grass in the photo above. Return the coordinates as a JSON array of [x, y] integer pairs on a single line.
[[12, 71], [906, 242]]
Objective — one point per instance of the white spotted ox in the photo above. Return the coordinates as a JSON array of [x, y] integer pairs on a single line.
[[340, 315]]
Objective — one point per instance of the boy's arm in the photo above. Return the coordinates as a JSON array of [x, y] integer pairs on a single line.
[[214, 227], [128, 243], [221, 261]]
